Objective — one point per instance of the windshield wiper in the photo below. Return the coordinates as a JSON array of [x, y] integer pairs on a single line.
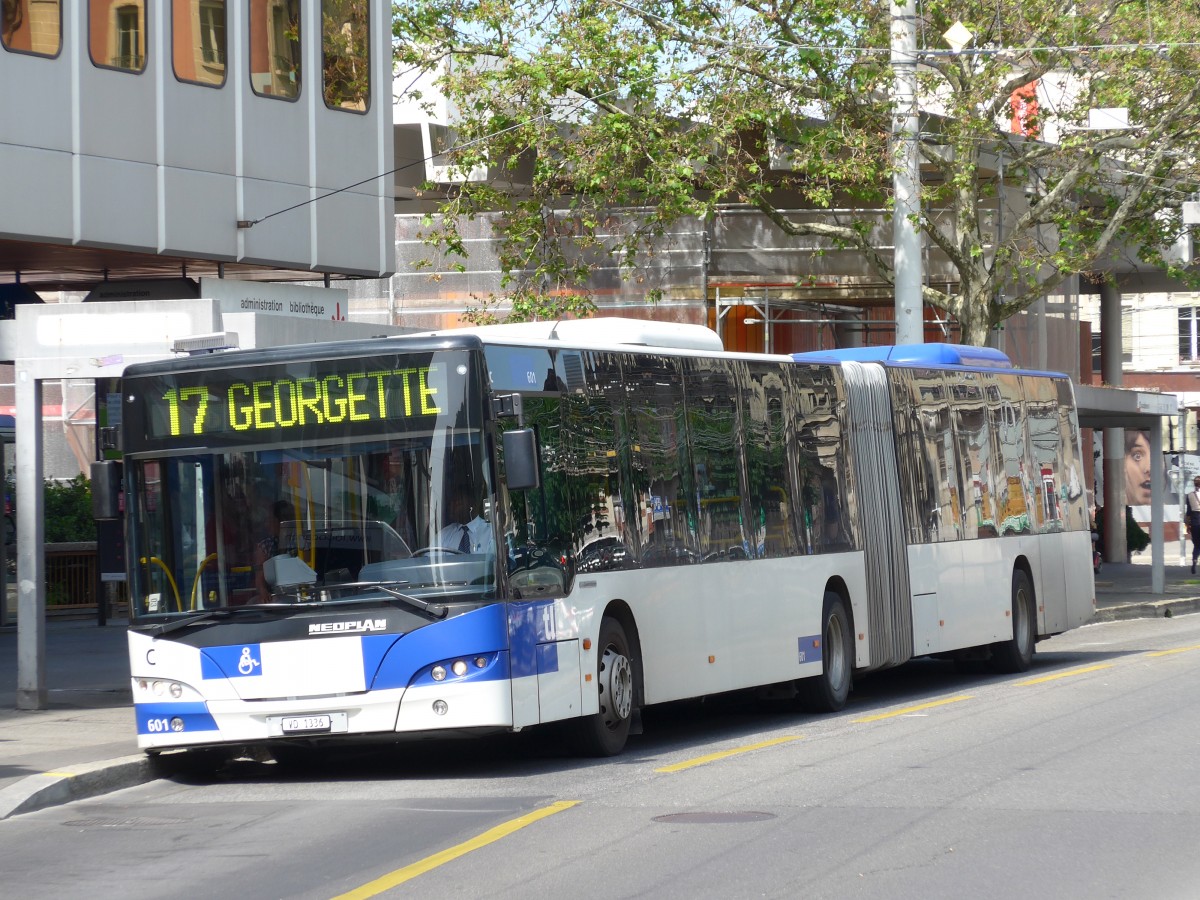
[[436, 610], [211, 615]]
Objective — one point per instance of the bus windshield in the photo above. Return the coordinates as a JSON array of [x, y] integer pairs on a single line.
[[367, 510]]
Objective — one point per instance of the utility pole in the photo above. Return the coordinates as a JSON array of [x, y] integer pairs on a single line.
[[906, 124]]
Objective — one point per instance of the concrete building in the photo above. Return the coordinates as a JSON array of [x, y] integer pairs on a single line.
[[155, 152]]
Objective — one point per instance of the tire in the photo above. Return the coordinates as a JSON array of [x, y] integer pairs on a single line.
[[829, 691], [1016, 654], [605, 733]]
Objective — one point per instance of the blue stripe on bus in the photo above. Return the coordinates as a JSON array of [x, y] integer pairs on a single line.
[[530, 624], [809, 648], [195, 717], [478, 632], [547, 658], [233, 661]]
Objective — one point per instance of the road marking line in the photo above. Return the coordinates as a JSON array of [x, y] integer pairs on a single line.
[[59, 774], [725, 754], [1068, 674], [1176, 650], [913, 709], [409, 872]]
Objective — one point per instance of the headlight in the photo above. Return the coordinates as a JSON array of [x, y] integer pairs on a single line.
[[438, 673], [459, 668]]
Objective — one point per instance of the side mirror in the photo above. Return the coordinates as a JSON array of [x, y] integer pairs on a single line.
[[521, 460], [106, 489]]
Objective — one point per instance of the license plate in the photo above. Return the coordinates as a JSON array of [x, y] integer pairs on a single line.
[[306, 724]]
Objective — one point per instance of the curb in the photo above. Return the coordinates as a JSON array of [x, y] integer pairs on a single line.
[[1149, 609], [77, 782]]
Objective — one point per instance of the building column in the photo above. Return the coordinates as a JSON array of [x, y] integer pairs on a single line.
[[1111, 374], [1157, 499], [31, 568]]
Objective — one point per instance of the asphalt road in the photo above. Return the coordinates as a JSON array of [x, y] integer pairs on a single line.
[[1076, 779]]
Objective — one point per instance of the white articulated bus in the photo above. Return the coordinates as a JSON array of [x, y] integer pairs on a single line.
[[648, 518]]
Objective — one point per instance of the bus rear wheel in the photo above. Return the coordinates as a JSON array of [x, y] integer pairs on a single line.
[[1016, 654], [829, 691], [605, 733]]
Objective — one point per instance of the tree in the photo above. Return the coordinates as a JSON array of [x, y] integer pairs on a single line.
[[673, 107]]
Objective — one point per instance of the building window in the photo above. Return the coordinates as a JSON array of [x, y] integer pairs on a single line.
[[1126, 336], [31, 26], [117, 34], [1189, 345], [346, 54], [275, 48], [198, 38]]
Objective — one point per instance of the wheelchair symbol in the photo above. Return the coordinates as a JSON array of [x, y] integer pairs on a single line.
[[247, 664]]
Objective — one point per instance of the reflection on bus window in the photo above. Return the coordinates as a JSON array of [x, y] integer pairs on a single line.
[[275, 48], [198, 39], [117, 34], [346, 54], [31, 26], [662, 480]]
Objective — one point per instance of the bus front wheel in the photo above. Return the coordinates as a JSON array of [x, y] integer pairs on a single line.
[[605, 733], [829, 691], [1016, 654]]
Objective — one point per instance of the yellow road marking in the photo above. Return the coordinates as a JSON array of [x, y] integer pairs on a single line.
[[1176, 650], [59, 774], [724, 754], [398, 877], [912, 709], [1068, 674]]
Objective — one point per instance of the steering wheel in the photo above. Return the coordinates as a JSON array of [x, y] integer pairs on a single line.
[[425, 551]]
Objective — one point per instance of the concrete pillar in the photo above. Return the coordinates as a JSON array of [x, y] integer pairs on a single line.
[[1157, 498], [849, 334], [1111, 373], [31, 569]]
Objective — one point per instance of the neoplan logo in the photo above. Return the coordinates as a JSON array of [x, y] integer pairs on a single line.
[[356, 626]]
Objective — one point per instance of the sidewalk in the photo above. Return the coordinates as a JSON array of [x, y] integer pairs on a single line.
[[85, 745]]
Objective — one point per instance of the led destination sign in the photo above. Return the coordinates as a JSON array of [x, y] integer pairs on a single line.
[[290, 402], [293, 401]]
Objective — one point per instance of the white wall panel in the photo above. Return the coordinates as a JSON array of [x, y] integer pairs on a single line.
[[115, 203], [35, 185], [199, 213]]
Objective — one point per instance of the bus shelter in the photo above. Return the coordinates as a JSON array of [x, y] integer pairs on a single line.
[[97, 340], [1113, 410]]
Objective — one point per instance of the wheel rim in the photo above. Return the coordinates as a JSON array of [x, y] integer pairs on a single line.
[[835, 652], [616, 687], [1021, 621]]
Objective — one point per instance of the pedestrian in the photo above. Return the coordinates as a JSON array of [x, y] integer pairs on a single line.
[[1192, 513]]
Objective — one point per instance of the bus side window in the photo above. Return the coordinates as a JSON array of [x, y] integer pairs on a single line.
[[822, 479], [716, 445], [537, 542], [661, 471], [767, 425]]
